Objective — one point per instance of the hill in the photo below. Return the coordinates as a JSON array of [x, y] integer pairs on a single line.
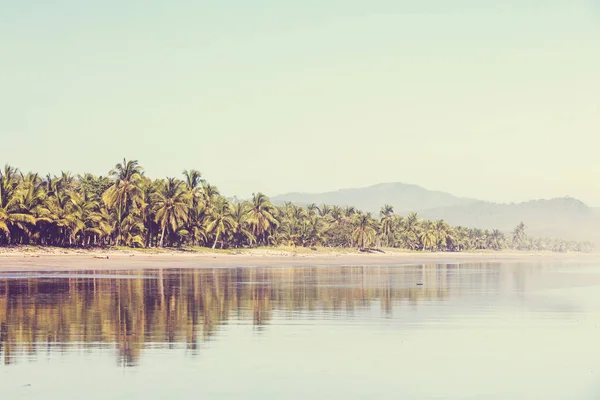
[[565, 218], [403, 197]]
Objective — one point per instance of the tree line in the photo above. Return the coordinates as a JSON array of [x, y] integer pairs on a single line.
[[126, 208]]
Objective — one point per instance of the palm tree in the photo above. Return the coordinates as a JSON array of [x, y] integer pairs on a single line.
[[65, 223], [84, 210], [30, 199], [66, 181], [496, 240], [241, 229], [4, 222], [460, 240], [398, 226], [349, 211], [221, 221], [428, 236], [193, 180], [147, 209], [324, 210], [194, 183], [172, 205], [261, 217], [209, 194], [411, 231], [12, 217], [106, 226], [196, 226], [387, 222], [364, 230], [311, 231], [132, 230], [519, 236], [9, 180], [336, 213], [290, 217], [478, 238], [442, 233], [125, 192]]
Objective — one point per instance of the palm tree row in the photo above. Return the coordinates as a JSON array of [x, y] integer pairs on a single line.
[[129, 209]]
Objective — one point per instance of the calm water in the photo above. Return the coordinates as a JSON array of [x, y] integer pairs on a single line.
[[468, 332]]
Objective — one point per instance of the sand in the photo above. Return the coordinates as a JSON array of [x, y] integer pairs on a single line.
[[53, 259]]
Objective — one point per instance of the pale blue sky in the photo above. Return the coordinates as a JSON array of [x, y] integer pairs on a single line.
[[486, 99]]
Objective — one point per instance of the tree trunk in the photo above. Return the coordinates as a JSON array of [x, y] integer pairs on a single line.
[[162, 236], [216, 239]]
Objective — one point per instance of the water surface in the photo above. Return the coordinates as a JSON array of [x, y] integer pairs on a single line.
[[472, 331]]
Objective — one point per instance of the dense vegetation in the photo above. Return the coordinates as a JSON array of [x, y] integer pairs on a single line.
[[129, 209]]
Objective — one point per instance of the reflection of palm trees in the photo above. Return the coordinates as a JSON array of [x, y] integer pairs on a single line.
[[182, 307]]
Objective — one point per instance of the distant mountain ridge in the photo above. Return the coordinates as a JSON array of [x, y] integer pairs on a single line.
[[403, 197], [565, 218]]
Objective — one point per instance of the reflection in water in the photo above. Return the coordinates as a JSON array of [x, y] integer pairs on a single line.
[[469, 331], [133, 310], [137, 309]]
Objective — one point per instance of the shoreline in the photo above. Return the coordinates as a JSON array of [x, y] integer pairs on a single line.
[[41, 259]]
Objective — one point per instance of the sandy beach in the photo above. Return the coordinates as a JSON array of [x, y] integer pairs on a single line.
[[55, 259]]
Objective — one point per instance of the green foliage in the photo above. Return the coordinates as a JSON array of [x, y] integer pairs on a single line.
[[128, 209]]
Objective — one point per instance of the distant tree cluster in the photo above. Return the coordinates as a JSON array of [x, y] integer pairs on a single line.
[[129, 209]]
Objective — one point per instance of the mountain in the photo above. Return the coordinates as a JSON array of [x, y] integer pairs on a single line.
[[564, 218], [402, 196]]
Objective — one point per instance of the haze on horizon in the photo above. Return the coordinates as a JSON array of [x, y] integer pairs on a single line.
[[491, 101]]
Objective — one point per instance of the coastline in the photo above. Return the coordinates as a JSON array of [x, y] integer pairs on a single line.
[[42, 259]]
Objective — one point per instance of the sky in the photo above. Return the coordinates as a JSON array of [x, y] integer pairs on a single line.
[[485, 99]]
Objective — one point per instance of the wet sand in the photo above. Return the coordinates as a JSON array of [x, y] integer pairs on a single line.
[[71, 260]]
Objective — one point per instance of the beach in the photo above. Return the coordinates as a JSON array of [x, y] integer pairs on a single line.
[[58, 259]]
